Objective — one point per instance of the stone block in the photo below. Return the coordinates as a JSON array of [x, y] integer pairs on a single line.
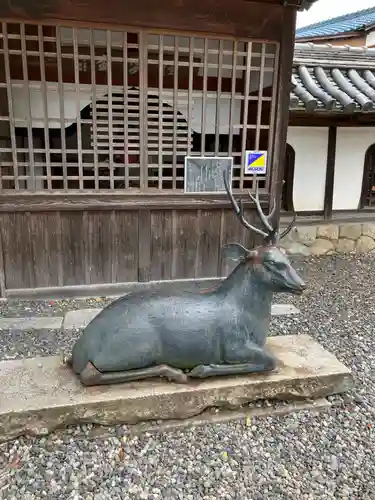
[[295, 248], [368, 229], [321, 247], [39, 395], [365, 244], [31, 323], [350, 231], [345, 245], [75, 320], [305, 234], [284, 310], [328, 231]]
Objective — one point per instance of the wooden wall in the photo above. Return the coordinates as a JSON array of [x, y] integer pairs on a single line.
[[77, 242], [93, 247]]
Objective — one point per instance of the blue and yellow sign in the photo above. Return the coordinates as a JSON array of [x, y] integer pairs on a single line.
[[255, 162]]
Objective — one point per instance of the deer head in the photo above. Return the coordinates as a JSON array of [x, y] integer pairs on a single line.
[[268, 261]]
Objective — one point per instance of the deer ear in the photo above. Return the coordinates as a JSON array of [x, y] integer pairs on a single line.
[[235, 251]]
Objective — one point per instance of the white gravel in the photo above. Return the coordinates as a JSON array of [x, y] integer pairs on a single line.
[[301, 456]]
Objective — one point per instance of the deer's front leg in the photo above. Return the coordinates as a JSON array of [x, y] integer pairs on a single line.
[[258, 361]]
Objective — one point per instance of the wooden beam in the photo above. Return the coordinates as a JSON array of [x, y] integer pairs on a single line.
[[325, 119], [237, 18], [112, 201], [289, 169], [282, 108], [330, 172]]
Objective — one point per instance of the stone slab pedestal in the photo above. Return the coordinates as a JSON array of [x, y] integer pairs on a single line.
[[39, 395]]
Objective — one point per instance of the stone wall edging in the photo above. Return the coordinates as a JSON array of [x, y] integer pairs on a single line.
[[330, 238]]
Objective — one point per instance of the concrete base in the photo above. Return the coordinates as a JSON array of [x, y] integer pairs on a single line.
[[41, 394]]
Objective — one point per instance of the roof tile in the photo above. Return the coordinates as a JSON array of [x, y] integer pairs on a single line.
[[338, 25], [331, 78]]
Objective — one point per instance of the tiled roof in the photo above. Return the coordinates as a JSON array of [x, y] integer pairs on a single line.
[[338, 25], [335, 79]]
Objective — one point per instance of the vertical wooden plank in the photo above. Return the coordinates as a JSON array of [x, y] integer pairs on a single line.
[[99, 247], [144, 245], [10, 106], [125, 248], [190, 90], [204, 97], [287, 193], [94, 126], [59, 237], [209, 244], [126, 96], [2, 268], [330, 172], [232, 231], [232, 98], [282, 107], [18, 261], [161, 245], [31, 184], [86, 237], [44, 249], [143, 109], [175, 104], [73, 248], [160, 119], [110, 107], [245, 112], [45, 106], [250, 239], [218, 98], [197, 264], [185, 241], [60, 80], [78, 106]]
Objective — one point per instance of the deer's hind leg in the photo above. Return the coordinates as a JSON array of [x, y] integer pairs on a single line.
[[92, 376], [257, 361]]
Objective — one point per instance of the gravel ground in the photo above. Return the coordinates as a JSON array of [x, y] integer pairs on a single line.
[[24, 308], [300, 456]]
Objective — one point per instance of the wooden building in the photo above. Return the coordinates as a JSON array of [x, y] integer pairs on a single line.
[[330, 160], [100, 102]]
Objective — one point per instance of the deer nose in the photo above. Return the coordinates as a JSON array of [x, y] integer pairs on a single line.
[[301, 286]]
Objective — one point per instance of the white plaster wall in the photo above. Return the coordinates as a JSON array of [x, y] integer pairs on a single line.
[[310, 146], [370, 39], [351, 146]]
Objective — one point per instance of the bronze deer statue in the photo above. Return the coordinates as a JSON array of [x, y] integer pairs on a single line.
[[184, 335]]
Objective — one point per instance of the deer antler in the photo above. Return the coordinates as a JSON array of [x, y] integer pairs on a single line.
[[271, 234], [263, 217], [289, 228], [238, 209]]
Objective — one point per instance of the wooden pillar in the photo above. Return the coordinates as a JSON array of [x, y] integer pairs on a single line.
[[330, 172], [284, 78]]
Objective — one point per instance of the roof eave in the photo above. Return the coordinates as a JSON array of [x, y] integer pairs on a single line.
[[336, 36]]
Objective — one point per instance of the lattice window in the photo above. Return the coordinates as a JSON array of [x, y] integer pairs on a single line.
[[97, 110]]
